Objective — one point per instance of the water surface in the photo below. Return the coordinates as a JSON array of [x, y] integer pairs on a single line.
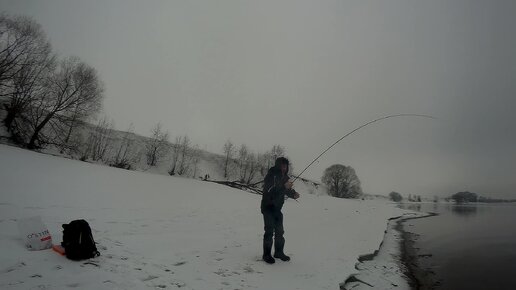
[[472, 246]]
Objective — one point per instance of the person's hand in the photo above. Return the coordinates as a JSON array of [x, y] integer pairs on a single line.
[[296, 195], [288, 184]]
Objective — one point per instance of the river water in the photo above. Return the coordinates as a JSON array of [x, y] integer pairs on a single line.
[[466, 246]]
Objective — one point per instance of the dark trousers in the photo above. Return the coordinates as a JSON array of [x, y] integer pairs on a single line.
[[273, 220]]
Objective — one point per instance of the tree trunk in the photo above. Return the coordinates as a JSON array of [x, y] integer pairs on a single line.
[[35, 135], [68, 135], [11, 115], [226, 166]]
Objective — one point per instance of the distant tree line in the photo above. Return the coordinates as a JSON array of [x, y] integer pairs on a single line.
[[469, 197], [459, 197], [181, 156], [245, 166], [397, 197], [414, 198]]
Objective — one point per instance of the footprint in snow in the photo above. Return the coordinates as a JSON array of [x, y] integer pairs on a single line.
[[149, 278], [13, 283], [15, 267], [248, 269], [179, 284], [221, 272], [225, 273]]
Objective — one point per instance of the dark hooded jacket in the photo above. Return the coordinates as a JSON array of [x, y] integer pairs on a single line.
[[274, 190]]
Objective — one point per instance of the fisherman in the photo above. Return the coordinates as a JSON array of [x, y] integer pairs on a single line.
[[275, 187]]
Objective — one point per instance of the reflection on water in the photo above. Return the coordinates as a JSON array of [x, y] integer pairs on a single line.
[[411, 206], [464, 210], [458, 209], [481, 236]]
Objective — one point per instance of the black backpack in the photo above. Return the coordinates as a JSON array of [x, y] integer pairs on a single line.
[[78, 241]]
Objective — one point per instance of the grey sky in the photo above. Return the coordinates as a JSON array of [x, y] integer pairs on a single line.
[[303, 73]]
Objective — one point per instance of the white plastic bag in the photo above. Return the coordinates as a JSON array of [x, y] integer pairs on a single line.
[[35, 234]]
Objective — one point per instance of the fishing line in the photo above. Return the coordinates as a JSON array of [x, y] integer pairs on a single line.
[[358, 128]]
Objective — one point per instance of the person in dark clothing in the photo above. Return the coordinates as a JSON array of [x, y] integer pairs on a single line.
[[275, 187]]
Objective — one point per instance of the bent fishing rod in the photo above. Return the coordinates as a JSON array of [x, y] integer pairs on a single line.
[[350, 133], [355, 130]]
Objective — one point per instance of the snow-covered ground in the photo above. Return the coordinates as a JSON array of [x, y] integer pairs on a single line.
[[158, 231]]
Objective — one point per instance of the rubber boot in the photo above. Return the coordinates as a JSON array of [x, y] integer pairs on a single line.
[[278, 249], [267, 247], [282, 257]]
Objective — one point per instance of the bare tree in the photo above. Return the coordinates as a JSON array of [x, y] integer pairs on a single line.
[[248, 164], [229, 149], [196, 158], [71, 139], [70, 122], [125, 154], [270, 156], [74, 88], [18, 36], [342, 181], [252, 166], [25, 61], [277, 151], [157, 145], [184, 162], [99, 140], [263, 161], [242, 163], [176, 149]]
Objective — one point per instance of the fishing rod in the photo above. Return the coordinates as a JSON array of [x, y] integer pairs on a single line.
[[358, 128], [348, 134]]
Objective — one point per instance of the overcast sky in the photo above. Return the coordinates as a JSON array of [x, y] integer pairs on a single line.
[[303, 73]]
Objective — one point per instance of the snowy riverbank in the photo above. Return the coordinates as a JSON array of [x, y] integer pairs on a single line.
[[166, 232]]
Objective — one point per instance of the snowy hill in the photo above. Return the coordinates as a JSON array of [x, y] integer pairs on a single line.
[[208, 163], [167, 232]]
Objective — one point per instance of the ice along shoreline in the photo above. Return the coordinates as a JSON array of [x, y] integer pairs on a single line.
[[395, 264], [420, 277]]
